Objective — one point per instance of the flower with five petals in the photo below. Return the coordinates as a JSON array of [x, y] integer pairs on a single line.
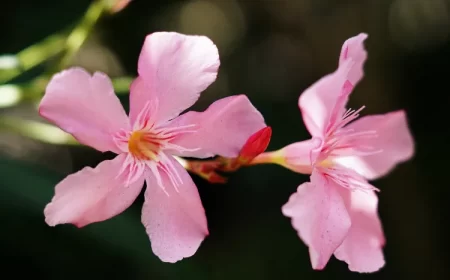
[[173, 70], [336, 213]]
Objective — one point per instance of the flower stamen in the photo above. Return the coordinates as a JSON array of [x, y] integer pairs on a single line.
[[144, 145]]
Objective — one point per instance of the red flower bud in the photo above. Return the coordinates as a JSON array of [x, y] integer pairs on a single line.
[[255, 145]]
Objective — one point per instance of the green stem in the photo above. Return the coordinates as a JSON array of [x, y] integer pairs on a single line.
[[34, 55], [80, 33], [33, 90], [55, 44], [267, 158], [122, 84], [37, 130]]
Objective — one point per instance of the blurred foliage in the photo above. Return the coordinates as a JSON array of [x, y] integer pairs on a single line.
[[270, 50]]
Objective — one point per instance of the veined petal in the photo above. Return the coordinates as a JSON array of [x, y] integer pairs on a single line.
[[301, 156], [326, 99], [175, 69], [86, 107], [174, 220], [319, 215], [362, 249], [353, 50], [220, 130], [394, 143], [93, 195]]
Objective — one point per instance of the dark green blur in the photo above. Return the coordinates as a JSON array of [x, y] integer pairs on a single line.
[[273, 50]]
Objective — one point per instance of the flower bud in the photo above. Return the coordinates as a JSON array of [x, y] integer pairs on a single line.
[[255, 145]]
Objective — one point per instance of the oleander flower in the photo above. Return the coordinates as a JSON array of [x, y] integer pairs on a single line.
[[336, 213], [173, 70]]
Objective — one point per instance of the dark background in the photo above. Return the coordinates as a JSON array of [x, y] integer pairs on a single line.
[[271, 50]]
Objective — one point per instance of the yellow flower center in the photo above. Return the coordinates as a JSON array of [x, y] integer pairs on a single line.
[[326, 163], [144, 145]]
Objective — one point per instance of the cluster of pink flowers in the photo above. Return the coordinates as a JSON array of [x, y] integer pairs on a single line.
[[335, 213]]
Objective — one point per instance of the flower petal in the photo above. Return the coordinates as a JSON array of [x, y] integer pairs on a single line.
[[319, 215], [220, 130], [86, 107], [328, 96], [301, 156], [394, 142], [175, 69], [174, 220], [362, 249], [353, 50], [92, 195]]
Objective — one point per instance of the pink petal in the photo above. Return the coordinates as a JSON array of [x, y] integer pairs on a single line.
[[301, 156], [394, 141], [353, 50], [86, 107], [220, 130], [176, 221], [175, 69], [362, 249], [328, 96], [319, 215], [92, 195]]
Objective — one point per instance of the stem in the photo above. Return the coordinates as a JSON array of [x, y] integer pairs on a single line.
[[122, 84], [80, 33], [278, 157], [55, 44], [34, 89], [34, 55], [37, 130], [266, 158]]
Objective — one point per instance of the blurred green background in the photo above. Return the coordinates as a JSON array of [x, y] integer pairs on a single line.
[[270, 50]]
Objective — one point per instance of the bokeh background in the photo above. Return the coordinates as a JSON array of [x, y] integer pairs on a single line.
[[270, 50]]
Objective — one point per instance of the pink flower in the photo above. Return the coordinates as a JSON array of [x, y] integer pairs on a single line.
[[173, 70], [336, 213]]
